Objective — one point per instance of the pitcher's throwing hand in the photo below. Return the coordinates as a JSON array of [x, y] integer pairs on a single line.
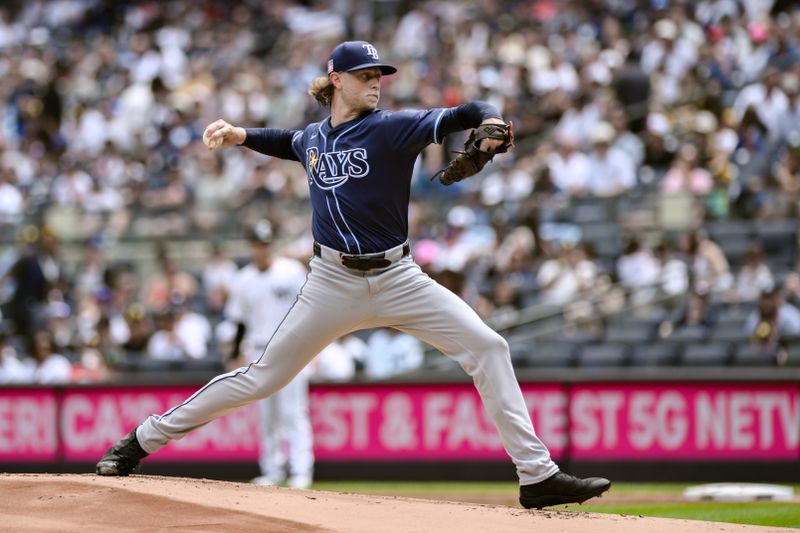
[[220, 134]]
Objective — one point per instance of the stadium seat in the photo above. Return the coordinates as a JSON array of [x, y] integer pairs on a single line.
[[780, 263], [791, 355], [648, 324], [738, 313], [589, 211], [129, 363], [597, 355], [578, 338], [749, 355], [730, 332], [777, 237], [155, 365], [722, 231], [651, 317], [208, 364], [712, 354], [521, 348], [659, 354], [608, 247], [686, 334], [735, 247], [566, 342], [552, 354], [594, 231], [627, 204], [628, 334]]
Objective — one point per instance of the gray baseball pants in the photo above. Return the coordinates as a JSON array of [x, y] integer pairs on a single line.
[[335, 301]]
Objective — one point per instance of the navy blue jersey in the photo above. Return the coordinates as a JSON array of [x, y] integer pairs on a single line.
[[359, 172]]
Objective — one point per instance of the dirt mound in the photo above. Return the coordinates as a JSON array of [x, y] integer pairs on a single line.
[[89, 503]]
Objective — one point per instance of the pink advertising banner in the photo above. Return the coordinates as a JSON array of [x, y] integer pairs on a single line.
[[423, 422], [93, 419], [437, 422], [28, 430], [689, 422]]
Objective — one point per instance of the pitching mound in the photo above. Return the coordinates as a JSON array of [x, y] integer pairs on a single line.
[[88, 503]]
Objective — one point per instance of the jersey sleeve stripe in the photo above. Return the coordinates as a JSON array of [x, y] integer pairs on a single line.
[[297, 152], [436, 127]]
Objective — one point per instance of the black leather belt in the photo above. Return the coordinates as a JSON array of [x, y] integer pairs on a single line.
[[366, 261]]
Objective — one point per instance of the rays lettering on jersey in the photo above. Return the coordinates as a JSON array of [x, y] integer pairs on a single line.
[[332, 169]]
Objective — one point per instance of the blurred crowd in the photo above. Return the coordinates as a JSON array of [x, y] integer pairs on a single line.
[[105, 103]]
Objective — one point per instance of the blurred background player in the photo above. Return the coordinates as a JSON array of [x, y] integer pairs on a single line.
[[262, 293]]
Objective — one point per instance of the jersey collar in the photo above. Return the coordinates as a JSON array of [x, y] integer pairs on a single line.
[[326, 124]]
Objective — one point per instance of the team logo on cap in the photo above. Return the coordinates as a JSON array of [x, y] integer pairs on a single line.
[[330, 66], [371, 51]]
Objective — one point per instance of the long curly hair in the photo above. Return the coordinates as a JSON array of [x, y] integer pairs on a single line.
[[322, 90]]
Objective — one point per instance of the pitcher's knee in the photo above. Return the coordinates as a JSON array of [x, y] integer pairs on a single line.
[[493, 344]]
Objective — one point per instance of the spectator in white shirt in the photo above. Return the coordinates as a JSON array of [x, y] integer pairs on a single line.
[[12, 203], [194, 330], [180, 335], [767, 99], [72, 187], [164, 344], [217, 277], [638, 271], [673, 275], [612, 170], [773, 320], [391, 352], [334, 363], [754, 277], [566, 277], [467, 239], [672, 53], [577, 121], [626, 140], [12, 370], [790, 121], [709, 265], [570, 169], [50, 367]]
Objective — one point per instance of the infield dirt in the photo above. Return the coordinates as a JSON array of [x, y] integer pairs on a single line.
[[87, 503]]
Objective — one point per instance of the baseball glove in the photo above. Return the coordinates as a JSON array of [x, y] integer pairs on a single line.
[[473, 159]]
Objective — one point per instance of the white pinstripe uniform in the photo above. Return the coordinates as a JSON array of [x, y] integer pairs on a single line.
[[260, 299]]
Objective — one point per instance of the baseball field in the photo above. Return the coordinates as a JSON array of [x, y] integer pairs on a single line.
[[87, 503], [635, 499]]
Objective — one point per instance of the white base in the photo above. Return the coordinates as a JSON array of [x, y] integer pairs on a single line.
[[739, 492]]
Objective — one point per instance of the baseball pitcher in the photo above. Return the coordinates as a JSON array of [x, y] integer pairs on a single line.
[[359, 163]]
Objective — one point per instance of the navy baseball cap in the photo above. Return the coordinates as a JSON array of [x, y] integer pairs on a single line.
[[355, 55]]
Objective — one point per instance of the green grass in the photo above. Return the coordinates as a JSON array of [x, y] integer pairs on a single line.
[[780, 514], [753, 513]]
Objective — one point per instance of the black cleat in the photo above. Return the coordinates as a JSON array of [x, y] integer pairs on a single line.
[[122, 458], [561, 488]]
